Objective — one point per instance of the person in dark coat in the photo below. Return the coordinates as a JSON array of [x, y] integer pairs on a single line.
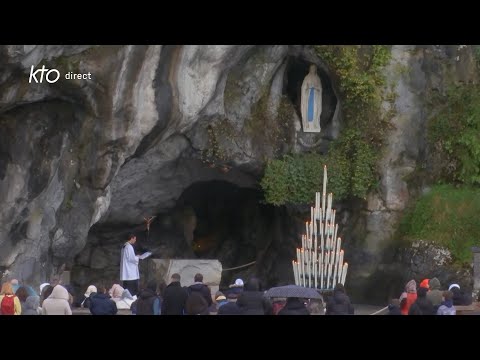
[[148, 303], [174, 298], [422, 306], [294, 306], [199, 286], [231, 307], [46, 292], [101, 303], [252, 301], [339, 303], [236, 288], [196, 304], [394, 307], [459, 297]]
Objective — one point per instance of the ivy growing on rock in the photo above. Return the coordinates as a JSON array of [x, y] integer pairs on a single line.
[[448, 216], [454, 134], [352, 157]]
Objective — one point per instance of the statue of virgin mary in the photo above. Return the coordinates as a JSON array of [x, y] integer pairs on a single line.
[[311, 101]]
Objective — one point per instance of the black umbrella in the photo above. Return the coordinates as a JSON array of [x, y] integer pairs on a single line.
[[293, 291]]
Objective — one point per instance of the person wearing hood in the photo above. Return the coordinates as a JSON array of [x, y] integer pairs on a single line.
[[148, 303], [41, 287], [435, 295], [101, 304], [294, 306], [32, 306], [339, 303], [408, 297], [57, 303], [447, 308]]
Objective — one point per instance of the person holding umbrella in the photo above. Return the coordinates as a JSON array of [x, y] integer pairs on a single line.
[[294, 306]]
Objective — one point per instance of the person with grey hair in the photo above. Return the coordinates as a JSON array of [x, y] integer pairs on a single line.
[[175, 297]]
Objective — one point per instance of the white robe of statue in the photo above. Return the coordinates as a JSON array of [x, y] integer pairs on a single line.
[[311, 101]]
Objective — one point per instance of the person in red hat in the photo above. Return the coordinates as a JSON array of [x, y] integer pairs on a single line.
[[424, 284]]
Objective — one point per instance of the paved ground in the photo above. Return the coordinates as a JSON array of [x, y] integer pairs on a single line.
[[359, 310], [368, 309]]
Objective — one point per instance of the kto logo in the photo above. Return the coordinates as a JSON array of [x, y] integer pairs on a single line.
[[48, 76]]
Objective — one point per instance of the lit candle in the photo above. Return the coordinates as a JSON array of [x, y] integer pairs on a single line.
[[306, 229], [335, 232], [324, 179], [335, 269], [323, 206], [329, 207], [339, 242], [299, 271], [325, 268], [298, 255], [307, 253], [315, 267], [294, 272], [320, 269], [344, 273], [322, 243], [329, 273], [303, 267], [333, 217]]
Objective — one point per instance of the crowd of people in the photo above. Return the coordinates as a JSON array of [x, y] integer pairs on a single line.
[[155, 298], [429, 299]]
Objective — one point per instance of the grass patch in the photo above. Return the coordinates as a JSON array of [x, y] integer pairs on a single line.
[[447, 216]]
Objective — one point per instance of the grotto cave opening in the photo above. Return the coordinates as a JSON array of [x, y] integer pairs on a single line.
[[213, 219]]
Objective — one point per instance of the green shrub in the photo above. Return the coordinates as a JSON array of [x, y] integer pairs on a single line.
[[352, 157], [295, 178], [454, 133], [447, 216]]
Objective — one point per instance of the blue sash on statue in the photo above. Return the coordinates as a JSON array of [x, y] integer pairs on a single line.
[[311, 102]]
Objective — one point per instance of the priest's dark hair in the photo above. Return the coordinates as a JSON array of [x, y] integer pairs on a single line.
[[131, 236]]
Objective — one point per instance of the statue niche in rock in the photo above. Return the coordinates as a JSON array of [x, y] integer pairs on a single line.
[[311, 101]]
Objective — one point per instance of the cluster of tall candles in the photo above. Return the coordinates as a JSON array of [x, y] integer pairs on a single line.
[[319, 262]]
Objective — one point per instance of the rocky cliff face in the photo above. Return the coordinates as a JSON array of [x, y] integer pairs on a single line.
[[415, 74], [80, 157]]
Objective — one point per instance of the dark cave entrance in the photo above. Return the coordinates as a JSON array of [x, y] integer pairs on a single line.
[[235, 226], [297, 69], [214, 219]]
